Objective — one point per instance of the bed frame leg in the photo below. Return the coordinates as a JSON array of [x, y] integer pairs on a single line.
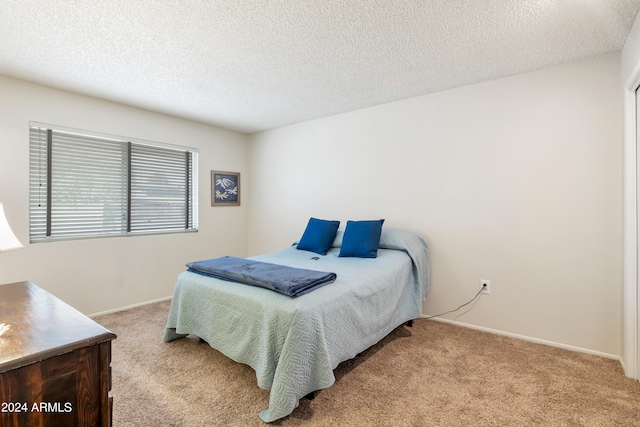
[[311, 395], [410, 323]]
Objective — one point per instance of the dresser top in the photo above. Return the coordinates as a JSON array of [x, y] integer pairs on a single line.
[[41, 326]]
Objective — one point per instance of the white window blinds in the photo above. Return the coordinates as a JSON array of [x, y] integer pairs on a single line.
[[84, 185], [160, 189]]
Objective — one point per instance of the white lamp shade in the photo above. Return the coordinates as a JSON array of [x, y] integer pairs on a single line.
[[8, 240]]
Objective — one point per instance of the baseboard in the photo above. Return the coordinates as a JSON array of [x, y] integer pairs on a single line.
[[453, 322], [624, 367], [530, 339], [128, 307]]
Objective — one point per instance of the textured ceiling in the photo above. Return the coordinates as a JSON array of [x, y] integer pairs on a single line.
[[256, 65]]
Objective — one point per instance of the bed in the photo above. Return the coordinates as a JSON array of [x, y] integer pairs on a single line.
[[294, 344]]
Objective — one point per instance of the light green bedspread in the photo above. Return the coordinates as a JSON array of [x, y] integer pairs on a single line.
[[293, 344]]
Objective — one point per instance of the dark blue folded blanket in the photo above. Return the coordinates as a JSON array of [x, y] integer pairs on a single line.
[[289, 281]]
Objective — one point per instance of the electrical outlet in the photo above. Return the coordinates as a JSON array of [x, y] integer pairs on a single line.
[[485, 285]]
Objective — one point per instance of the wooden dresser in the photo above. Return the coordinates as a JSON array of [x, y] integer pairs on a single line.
[[54, 362]]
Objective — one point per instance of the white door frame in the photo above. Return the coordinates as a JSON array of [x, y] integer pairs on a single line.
[[631, 302]]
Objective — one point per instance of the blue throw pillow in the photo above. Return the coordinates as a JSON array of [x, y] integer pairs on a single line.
[[318, 235], [361, 239]]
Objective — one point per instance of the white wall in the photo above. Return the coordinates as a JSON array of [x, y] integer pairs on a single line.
[[516, 180], [631, 51], [102, 274]]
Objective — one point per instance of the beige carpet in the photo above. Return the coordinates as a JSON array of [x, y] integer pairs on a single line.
[[433, 374]]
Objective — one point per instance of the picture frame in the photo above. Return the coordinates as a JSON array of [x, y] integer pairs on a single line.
[[225, 188]]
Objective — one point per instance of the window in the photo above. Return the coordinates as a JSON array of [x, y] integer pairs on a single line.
[[84, 184]]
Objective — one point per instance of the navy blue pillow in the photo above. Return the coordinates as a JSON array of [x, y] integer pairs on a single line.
[[318, 235], [361, 239]]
